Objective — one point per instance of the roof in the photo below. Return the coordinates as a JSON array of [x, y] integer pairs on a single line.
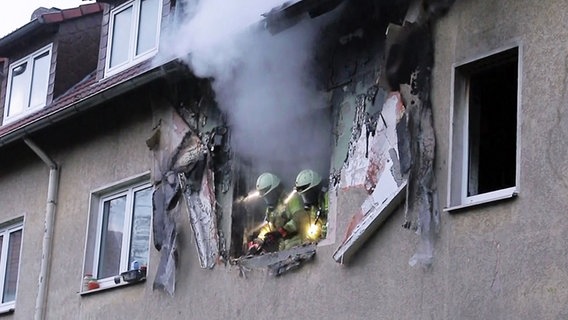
[[285, 16], [48, 19], [72, 13], [91, 92], [86, 94]]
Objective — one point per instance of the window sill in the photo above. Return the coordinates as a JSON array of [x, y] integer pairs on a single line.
[[7, 309], [109, 72], [112, 287], [485, 200], [279, 262]]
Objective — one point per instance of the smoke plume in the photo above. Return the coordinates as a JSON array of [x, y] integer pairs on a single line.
[[264, 83]]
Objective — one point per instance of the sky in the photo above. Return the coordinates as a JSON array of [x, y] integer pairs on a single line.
[[15, 14]]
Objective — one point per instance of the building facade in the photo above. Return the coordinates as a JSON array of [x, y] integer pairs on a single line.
[[437, 126]]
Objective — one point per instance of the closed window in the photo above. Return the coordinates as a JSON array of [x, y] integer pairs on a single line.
[[484, 162], [10, 247], [133, 34], [28, 81], [119, 231]]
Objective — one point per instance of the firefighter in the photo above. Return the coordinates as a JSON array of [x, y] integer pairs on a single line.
[[283, 216], [316, 204]]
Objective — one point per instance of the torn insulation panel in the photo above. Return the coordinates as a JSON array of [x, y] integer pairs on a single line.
[[181, 169], [191, 162], [407, 69], [374, 165], [203, 220]]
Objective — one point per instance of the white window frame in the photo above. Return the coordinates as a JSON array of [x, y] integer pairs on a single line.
[[5, 231], [132, 59], [127, 187], [458, 166], [27, 109]]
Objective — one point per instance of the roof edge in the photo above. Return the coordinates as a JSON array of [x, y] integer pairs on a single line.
[[88, 102], [15, 35]]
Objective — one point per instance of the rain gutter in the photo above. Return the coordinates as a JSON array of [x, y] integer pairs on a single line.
[[16, 35]]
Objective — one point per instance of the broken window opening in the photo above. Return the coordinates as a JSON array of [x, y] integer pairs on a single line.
[[484, 162], [290, 219]]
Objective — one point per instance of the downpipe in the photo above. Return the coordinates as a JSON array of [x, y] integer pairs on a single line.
[[46, 250]]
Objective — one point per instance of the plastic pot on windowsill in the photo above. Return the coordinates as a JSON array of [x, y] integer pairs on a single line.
[[134, 275], [92, 284]]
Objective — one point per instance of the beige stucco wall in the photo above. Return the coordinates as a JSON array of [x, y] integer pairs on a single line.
[[501, 261], [23, 193], [506, 260]]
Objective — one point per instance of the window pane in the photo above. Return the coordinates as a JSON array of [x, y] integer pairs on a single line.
[[111, 237], [120, 37], [1, 242], [140, 240], [148, 26], [19, 89], [40, 78], [12, 263]]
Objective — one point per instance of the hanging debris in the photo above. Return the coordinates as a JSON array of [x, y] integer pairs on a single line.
[[201, 206], [408, 67], [186, 172], [165, 275], [278, 262], [191, 164], [375, 166], [165, 209]]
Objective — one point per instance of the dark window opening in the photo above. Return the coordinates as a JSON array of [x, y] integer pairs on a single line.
[[259, 226], [492, 123]]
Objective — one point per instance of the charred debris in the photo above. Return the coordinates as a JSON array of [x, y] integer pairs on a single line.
[[373, 61]]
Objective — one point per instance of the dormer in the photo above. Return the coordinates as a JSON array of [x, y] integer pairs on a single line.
[[46, 57], [130, 34]]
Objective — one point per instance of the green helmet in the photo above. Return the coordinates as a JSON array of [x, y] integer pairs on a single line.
[[267, 182], [307, 180]]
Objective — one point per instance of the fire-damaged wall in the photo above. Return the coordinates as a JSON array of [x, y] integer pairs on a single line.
[[365, 60]]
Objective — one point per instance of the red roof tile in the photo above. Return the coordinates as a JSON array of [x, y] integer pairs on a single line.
[[88, 8], [71, 13], [52, 17]]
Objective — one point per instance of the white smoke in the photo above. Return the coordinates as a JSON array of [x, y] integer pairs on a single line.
[[263, 82]]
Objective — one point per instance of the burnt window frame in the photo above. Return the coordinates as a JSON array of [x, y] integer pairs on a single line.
[[459, 150]]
